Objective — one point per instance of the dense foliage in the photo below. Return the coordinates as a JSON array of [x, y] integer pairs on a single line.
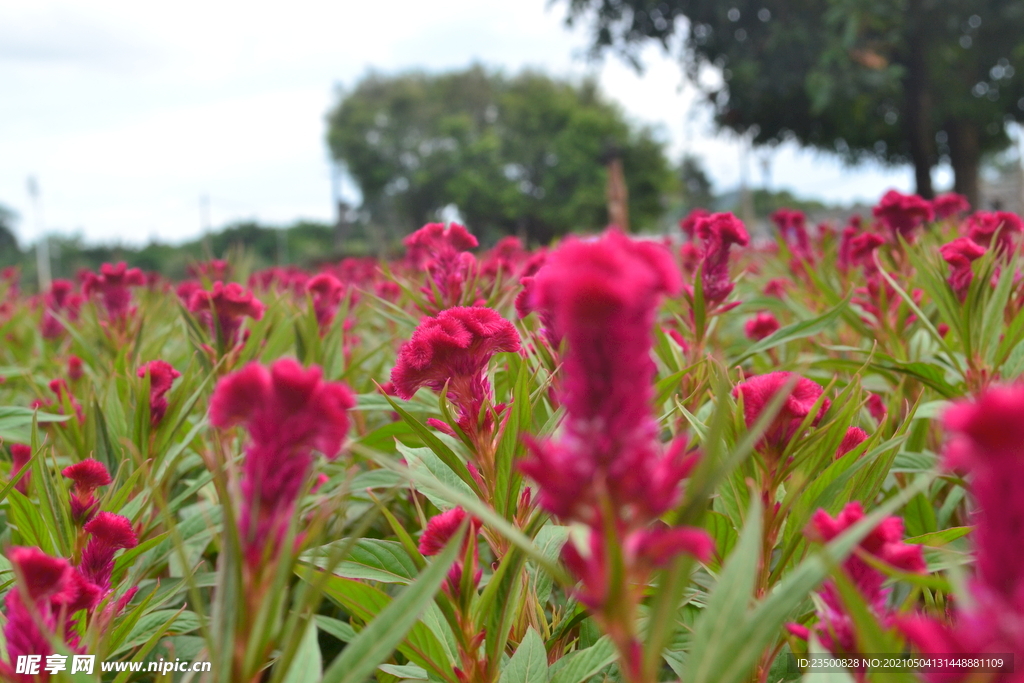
[[918, 81], [695, 459]]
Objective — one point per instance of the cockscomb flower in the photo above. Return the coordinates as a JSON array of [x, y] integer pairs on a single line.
[[444, 252], [454, 348], [983, 226], [902, 213], [959, 254], [60, 300], [224, 308], [792, 225], [835, 629], [950, 204], [854, 437], [114, 285], [760, 326], [718, 232], [212, 270], [20, 455], [161, 376], [87, 476], [327, 293], [75, 371], [65, 397], [440, 530], [108, 533], [289, 412], [39, 579], [689, 224], [758, 392], [776, 287]]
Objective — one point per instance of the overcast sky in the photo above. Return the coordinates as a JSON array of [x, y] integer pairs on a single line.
[[127, 113]]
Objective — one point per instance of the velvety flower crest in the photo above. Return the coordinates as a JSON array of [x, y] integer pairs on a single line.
[[959, 254], [760, 326], [758, 392], [224, 308], [113, 285], [161, 376], [86, 476], [950, 204], [902, 213]]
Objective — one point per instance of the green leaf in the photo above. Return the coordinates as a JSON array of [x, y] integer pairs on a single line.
[[307, 664], [529, 664], [425, 462], [377, 641], [16, 422], [371, 559], [579, 666]]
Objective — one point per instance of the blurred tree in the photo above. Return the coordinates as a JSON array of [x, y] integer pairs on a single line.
[[919, 81], [696, 186], [517, 155], [10, 253]]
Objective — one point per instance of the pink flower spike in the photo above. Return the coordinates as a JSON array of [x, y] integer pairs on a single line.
[[758, 392], [39, 578], [161, 376], [20, 455], [902, 214], [109, 533], [440, 530], [855, 436], [657, 546], [983, 226], [959, 254], [950, 204], [327, 293], [289, 412], [224, 308], [455, 348], [114, 284], [87, 475], [719, 232], [762, 325], [74, 368]]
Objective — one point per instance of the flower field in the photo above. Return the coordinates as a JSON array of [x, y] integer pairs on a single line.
[[707, 458]]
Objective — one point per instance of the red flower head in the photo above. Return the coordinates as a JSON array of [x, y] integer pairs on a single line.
[[20, 455], [902, 213], [792, 225], [444, 252], [983, 226], [41, 579], [213, 270], [161, 376], [758, 392], [950, 204], [60, 300], [289, 412], [440, 530], [87, 476], [959, 254], [507, 257], [689, 224], [876, 406], [760, 326], [224, 308], [327, 292], [855, 436], [862, 247], [776, 288], [885, 542], [113, 285], [74, 368], [109, 533], [454, 348], [719, 232]]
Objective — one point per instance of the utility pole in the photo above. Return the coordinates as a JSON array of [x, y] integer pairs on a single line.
[[42, 245]]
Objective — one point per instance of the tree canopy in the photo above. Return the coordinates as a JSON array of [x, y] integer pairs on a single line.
[[517, 155], [918, 81]]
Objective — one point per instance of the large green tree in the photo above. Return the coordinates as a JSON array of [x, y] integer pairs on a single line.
[[918, 81], [516, 155]]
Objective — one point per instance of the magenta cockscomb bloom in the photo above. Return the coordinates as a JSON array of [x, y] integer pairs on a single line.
[[224, 308], [854, 437], [758, 392], [443, 250], [959, 254], [212, 270], [903, 213], [455, 348], [950, 204], [161, 376], [327, 292], [87, 476], [63, 301], [289, 412], [440, 530], [718, 232], [792, 225], [75, 371], [20, 455], [988, 443], [760, 326], [688, 224], [34, 605], [983, 226], [835, 629], [108, 533], [113, 285]]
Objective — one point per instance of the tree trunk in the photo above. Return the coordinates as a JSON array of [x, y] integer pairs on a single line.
[[917, 107], [965, 157]]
